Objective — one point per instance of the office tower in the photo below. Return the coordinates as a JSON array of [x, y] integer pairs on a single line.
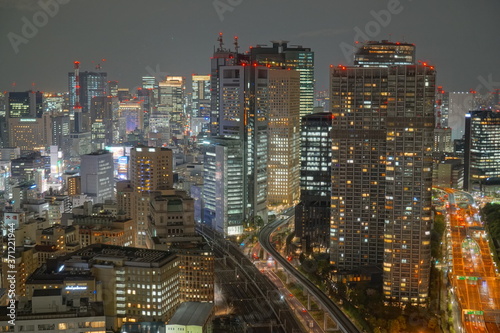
[[200, 95], [442, 107], [301, 59], [104, 120], [149, 82], [28, 104], [224, 193], [312, 214], [74, 185], [382, 169], [97, 179], [284, 137], [482, 149], [244, 112], [442, 140], [460, 103], [384, 54], [151, 168], [60, 132], [171, 102], [92, 84]]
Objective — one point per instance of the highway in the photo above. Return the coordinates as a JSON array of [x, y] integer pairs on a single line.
[[473, 275], [343, 322]]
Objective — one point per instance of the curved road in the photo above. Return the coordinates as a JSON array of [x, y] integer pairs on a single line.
[[344, 323]]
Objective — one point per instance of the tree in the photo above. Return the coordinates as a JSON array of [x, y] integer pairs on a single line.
[[394, 326]]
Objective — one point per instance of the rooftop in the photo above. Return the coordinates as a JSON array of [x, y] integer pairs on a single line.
[[192, 313]]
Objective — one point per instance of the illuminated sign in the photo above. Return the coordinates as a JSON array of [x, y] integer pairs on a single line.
[[11, 220], [28, 120], [76, 288]]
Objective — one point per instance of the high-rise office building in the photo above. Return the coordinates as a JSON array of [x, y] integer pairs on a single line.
[[382, 168], [201, 95], [482, 148], [244, 115], [284, 137], [28, 104], [223, 188], [312, 214], [92, 84], [301, 59], [171, 102], [460, 103], [97, 178]]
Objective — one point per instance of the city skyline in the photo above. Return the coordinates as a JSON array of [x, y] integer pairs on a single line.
[[189, 31]]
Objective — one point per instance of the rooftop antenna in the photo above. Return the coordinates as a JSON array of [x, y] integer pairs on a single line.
[[236, 45], [14, 86], [221, 42]]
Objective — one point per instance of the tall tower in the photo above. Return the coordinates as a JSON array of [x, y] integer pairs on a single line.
[[97, 177], [91, 84], [482, 154], [382, 167], [312, 214], [284, 137], [301, 59]]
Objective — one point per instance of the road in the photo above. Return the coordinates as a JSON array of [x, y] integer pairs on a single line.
[[344, 323], [473, 274]]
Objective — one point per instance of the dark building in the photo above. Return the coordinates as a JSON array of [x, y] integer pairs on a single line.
[[22, 168], [28, 104], [312, 218]]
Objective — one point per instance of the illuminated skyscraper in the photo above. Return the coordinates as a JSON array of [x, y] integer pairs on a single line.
[[171, 103], [92, 84], [150, 168], [382, 169], [312, 214], [301, 59], [482, 148], [284, 137], [201, 95], [97, 178]]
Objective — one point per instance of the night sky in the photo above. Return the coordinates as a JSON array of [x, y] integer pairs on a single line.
[[151, 37]]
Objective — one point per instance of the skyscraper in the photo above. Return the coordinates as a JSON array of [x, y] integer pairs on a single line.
[[301, 59], [201, 95], [312, 214], [92, 84], [284, 137], [482, 148], [382, 168], [223, 188], [97, 178], [171, 102], [244, 116]]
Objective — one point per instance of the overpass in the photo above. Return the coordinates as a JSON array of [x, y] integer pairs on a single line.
[[344, 323]]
